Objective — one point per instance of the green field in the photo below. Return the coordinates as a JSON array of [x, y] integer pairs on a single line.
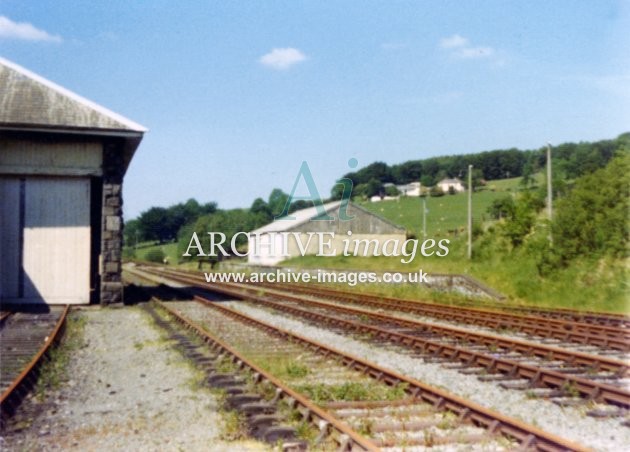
[[169, 250], [445, 213], [600, 285]]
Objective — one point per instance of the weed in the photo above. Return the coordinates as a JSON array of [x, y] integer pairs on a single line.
[[296, 370], [570, 389], [530, 394], [365, 427], [429, 438], [351, 391], [54, 370], [234, 427], [225, 365], [305, 431], [448, 421]]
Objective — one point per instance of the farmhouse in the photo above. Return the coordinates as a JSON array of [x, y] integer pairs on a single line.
[[411, 189], [62, 162], [456, 184], [301, 232]]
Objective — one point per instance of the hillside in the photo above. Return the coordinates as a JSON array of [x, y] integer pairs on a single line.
[[591, 282]]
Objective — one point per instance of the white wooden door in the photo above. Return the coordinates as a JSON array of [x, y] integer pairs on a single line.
[[53, 241]]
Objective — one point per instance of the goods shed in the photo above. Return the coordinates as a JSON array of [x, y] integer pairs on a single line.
[[300, 233], [62, 162]]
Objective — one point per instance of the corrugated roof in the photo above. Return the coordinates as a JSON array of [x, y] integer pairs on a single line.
[[299, 217], [29, 101], [305, 215]]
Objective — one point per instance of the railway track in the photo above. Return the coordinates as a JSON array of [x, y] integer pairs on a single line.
[[423, 415], [545, 326], [596, 318], [620, 321], [569, 377], [26, 339], [555, 327]]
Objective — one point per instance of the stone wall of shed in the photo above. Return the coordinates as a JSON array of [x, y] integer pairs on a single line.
[[112, 225]]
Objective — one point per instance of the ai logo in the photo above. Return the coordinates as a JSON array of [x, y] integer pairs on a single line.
[[305, 173]]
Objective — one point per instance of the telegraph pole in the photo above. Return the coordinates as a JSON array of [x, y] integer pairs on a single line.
[[549, 192], [470, 211]]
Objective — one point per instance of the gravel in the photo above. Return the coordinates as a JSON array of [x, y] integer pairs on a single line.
[[569, 423], [127, 389], [591, 349]]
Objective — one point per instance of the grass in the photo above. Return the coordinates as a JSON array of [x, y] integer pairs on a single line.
[[587, 284], [55, 369], [445, 213], [169, 249], [351, 391]]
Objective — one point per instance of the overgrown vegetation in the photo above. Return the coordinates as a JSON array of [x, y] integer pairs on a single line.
[[351, 391], [585, 267], [55, 370], [570, 159]]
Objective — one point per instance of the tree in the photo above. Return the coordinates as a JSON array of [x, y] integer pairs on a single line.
[[374, 187], [527, 179], [154, 224], [477, 178], [427, 180], [277, 201], [522, 218], [132, 233], [502, 208], [391, 190], [593, 218], [260, 207]]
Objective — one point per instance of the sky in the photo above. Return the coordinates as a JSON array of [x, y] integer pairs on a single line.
[[236, 95]]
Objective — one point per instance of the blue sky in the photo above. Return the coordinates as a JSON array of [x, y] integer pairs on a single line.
[[237, 94]]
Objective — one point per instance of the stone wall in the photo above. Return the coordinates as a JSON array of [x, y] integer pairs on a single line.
[[112, 225]]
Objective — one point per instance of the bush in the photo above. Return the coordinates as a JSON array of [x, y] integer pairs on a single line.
[[391, 190], [436, 191], [155, 255]]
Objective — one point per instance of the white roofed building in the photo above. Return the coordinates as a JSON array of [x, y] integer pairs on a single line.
[[309, 232]]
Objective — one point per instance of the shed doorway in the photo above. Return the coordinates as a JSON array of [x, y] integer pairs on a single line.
[[45, 240]]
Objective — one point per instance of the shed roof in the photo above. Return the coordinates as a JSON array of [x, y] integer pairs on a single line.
[[299, 217], [30, 102], [305, 215]]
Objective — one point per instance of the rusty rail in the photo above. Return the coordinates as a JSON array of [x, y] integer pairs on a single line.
[[529, 437], [316, 413], [525, 434], [582, 333], [12, 396], [538, 376]]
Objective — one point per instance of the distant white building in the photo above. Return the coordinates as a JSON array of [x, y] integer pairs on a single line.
[[410, 189], [266, 245], [446, 184]]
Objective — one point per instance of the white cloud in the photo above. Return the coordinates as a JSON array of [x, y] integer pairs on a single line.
[[453, 42], [24, 31], [460, 47], [282, 59]]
